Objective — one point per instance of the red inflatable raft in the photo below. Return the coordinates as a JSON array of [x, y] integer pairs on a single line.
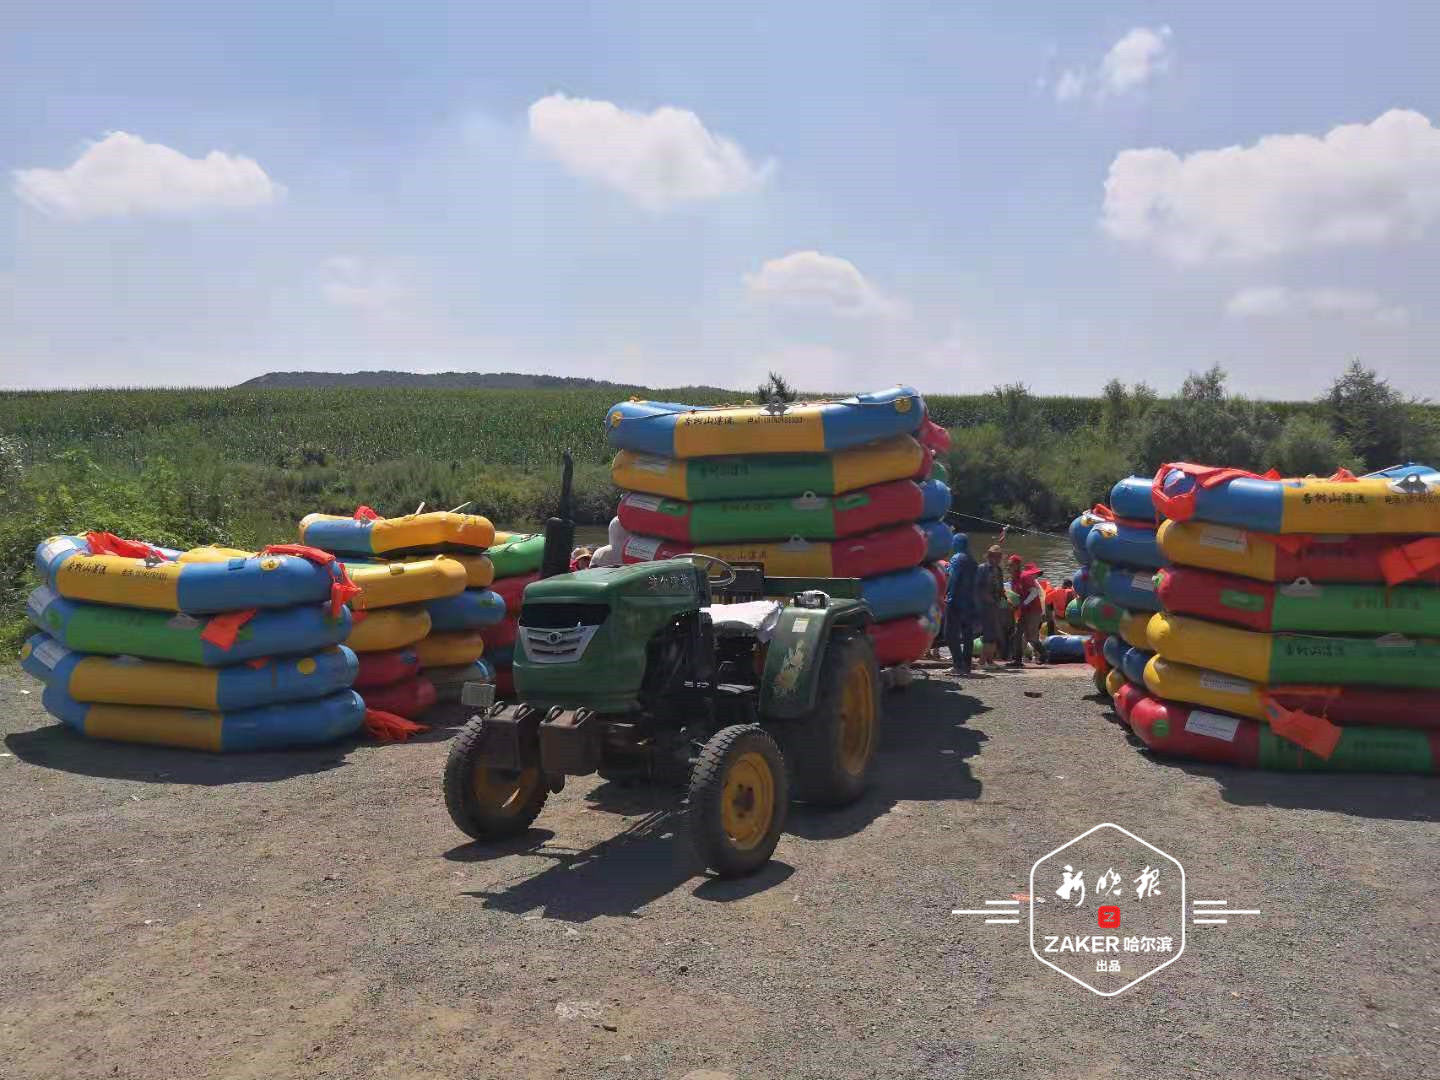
[[901, 641], [500, 636], [1125, 699], [1180, 731], [873, 553], [386, 667], [408, 698]]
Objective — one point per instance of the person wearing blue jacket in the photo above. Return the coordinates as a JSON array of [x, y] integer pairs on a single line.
[[960, 606]]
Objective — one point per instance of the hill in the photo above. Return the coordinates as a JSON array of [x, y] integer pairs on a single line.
[[444, 380]]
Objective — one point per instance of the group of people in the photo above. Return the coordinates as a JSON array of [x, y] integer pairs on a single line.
[[978, 604]]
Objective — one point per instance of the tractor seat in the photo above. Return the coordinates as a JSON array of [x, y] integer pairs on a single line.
[[753, 619]]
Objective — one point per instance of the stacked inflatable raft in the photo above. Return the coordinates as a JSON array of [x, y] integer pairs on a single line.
[[846, 488], [209, 649], [1119, 555], [424, 599], [517, 558], [1300, 621]]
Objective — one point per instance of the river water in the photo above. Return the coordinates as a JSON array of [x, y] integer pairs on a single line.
[[1052, 554]]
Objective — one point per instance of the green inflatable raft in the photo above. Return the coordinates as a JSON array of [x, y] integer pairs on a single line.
[[1391, 660]]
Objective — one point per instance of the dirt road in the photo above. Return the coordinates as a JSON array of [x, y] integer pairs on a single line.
[[168, 914]]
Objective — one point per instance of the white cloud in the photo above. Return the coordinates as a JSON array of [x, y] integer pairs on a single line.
[[1131, 62], [123, 175], [1134, 60], [1271, 301], [1373, 183], [657, 159], [809, 279], [1070, 85], [348, 282]]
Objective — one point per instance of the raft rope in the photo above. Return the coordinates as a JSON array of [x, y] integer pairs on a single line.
[[1003, 524]]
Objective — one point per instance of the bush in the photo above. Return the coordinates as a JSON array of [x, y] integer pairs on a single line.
[[73, 494], [1306, 446]]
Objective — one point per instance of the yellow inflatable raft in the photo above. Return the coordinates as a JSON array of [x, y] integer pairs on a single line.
[[1135, 630], [479, 570], [388, 628], [447, 650], [439, 530], [391, 584]]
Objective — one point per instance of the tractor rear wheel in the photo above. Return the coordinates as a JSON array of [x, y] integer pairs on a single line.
[[739, 796], [487, 803], [833, 746]]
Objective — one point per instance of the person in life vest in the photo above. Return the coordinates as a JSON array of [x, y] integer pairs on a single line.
[[1056, 601], [1030, 609]]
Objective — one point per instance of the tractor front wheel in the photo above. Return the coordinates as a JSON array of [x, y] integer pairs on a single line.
[[832, 747], [739, 796], [487, 803]]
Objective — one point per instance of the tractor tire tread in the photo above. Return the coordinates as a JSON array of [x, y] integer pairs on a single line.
[[459, 792], [707, 786], [811, 742]]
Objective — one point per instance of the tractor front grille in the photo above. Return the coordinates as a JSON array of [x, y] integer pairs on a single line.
[[555, 645]]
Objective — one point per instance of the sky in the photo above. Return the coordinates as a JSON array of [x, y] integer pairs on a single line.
[[953, 195]]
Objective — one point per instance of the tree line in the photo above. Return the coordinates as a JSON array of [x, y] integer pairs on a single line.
[[1036, 461]]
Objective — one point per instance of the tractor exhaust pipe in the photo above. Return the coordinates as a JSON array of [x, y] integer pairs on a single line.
[[560, 529]]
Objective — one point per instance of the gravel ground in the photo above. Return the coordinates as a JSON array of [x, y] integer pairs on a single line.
[[168, 914]]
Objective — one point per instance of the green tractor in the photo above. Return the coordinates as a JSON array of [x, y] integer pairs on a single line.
[[679, 672]]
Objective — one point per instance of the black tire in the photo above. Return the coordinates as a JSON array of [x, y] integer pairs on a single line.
[[831, 767], [743, 844], [487, 803]]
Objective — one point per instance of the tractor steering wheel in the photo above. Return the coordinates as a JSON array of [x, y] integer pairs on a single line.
[[700, 556]]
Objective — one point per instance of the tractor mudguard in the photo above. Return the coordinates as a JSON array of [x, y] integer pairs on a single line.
[[797, 649]]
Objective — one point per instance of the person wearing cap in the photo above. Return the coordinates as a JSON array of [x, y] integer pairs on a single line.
[[990, 607], [580, 558], [1030, 609], [960, 606]]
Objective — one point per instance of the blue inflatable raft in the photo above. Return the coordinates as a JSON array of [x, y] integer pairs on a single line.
[[904, 592], [1132, 589], [673, 430], [1124, 545], [1113, 650], [1132, 664], [69, 566], [125, 680], [1130, 498], [939, 540], [162, 635], [1065, 648], [473, 609], [271, 727]]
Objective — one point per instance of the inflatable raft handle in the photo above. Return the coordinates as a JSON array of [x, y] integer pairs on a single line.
[[1301, 586], [807, 501], [1394, 641]]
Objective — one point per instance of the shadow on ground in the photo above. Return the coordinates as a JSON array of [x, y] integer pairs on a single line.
[[617, 876], [57, 747], [1371, 795], [925, 747]]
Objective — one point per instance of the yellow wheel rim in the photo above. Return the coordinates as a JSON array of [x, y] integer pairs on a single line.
[[501, 791], [857, 720], [748, 803]]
